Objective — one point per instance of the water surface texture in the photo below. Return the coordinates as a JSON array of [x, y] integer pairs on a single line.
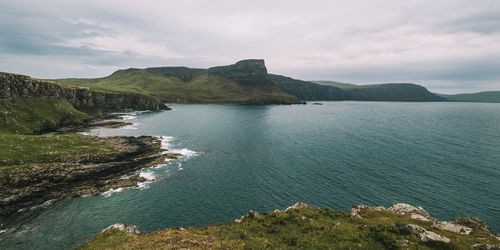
[[442, 156]]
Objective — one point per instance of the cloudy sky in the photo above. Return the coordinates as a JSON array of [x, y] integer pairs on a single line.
[[447, 46]]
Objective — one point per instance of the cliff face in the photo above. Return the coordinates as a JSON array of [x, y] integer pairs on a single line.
[[83, 99], [252, 72]]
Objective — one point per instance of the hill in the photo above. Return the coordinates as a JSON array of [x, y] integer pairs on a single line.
[[335, 91], [487, 96], [303, 227], [245, 82]]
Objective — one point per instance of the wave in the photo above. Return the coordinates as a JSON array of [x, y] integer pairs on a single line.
[[185, 152], [113, 190]]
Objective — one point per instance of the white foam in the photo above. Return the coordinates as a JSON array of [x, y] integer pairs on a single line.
[[3, 231], [165, 141], [150, 176], [128, 117], [112, 190], [133, 126], [185, 152], [179, 167]]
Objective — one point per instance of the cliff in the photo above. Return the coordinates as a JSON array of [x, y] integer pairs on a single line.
[[94, 102], [251, 72]]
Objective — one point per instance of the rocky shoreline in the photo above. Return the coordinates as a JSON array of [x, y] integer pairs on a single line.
[[33, 184], [401, 226]]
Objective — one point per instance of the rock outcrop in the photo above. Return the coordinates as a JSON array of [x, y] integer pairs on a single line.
[[252, 72], [130, 230], [250, 215], [83, 99], [459, 225], [36, 183], [424, 235]]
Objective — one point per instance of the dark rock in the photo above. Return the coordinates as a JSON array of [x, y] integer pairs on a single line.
[[83, 99]]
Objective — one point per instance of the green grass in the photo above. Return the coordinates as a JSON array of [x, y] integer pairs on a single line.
[[37, 115], [488, 96], [201, 88], [342, 85], [24, 149], [305, 228]]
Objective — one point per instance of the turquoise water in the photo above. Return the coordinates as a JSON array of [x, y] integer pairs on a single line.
[[442, 156]]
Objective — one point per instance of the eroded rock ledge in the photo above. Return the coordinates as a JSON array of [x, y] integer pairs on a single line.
[[35, 183]]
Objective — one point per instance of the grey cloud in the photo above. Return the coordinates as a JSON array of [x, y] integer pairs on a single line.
[[448, 45]]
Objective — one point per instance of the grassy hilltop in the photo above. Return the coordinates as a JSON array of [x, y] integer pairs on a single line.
[[245, 82]]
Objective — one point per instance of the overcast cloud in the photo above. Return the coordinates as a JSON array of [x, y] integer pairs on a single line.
[[447, 46]]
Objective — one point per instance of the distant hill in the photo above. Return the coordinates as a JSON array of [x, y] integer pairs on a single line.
[[245, 82], [307, 90], [487, 96], [335, 91], [338, 84]]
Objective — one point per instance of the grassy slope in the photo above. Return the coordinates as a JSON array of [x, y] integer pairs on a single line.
[[17, 151], [488, 96], [20, 118], [36, 115], [202, 88], [306, 228], [340, 84]]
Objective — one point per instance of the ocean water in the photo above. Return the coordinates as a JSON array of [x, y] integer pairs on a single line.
[[442, 156]]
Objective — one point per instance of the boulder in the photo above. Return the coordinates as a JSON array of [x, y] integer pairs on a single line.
[[424, 235], [296, 206], [356, 209], [250, 215], [486, 246], [130, 230], [418, 213], [453, 227]]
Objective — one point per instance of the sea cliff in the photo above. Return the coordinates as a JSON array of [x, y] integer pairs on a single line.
[[89, 101]]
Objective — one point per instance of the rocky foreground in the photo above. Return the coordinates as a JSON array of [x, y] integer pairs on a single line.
[[27, 184], [401, 226]]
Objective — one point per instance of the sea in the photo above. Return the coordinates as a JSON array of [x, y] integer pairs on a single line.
[[444, 157]]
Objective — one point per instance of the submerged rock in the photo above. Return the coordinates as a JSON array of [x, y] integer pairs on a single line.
[[130, 230]]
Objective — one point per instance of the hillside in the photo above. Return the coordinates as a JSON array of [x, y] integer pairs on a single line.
[[300, 226], [487, 96], [245, 82], [334, 91], [308, 90]]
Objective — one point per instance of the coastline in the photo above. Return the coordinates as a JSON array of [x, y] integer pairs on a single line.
[[35, 183], [401, 226]]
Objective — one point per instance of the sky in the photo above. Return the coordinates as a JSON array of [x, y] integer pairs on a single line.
[[447, 46]]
